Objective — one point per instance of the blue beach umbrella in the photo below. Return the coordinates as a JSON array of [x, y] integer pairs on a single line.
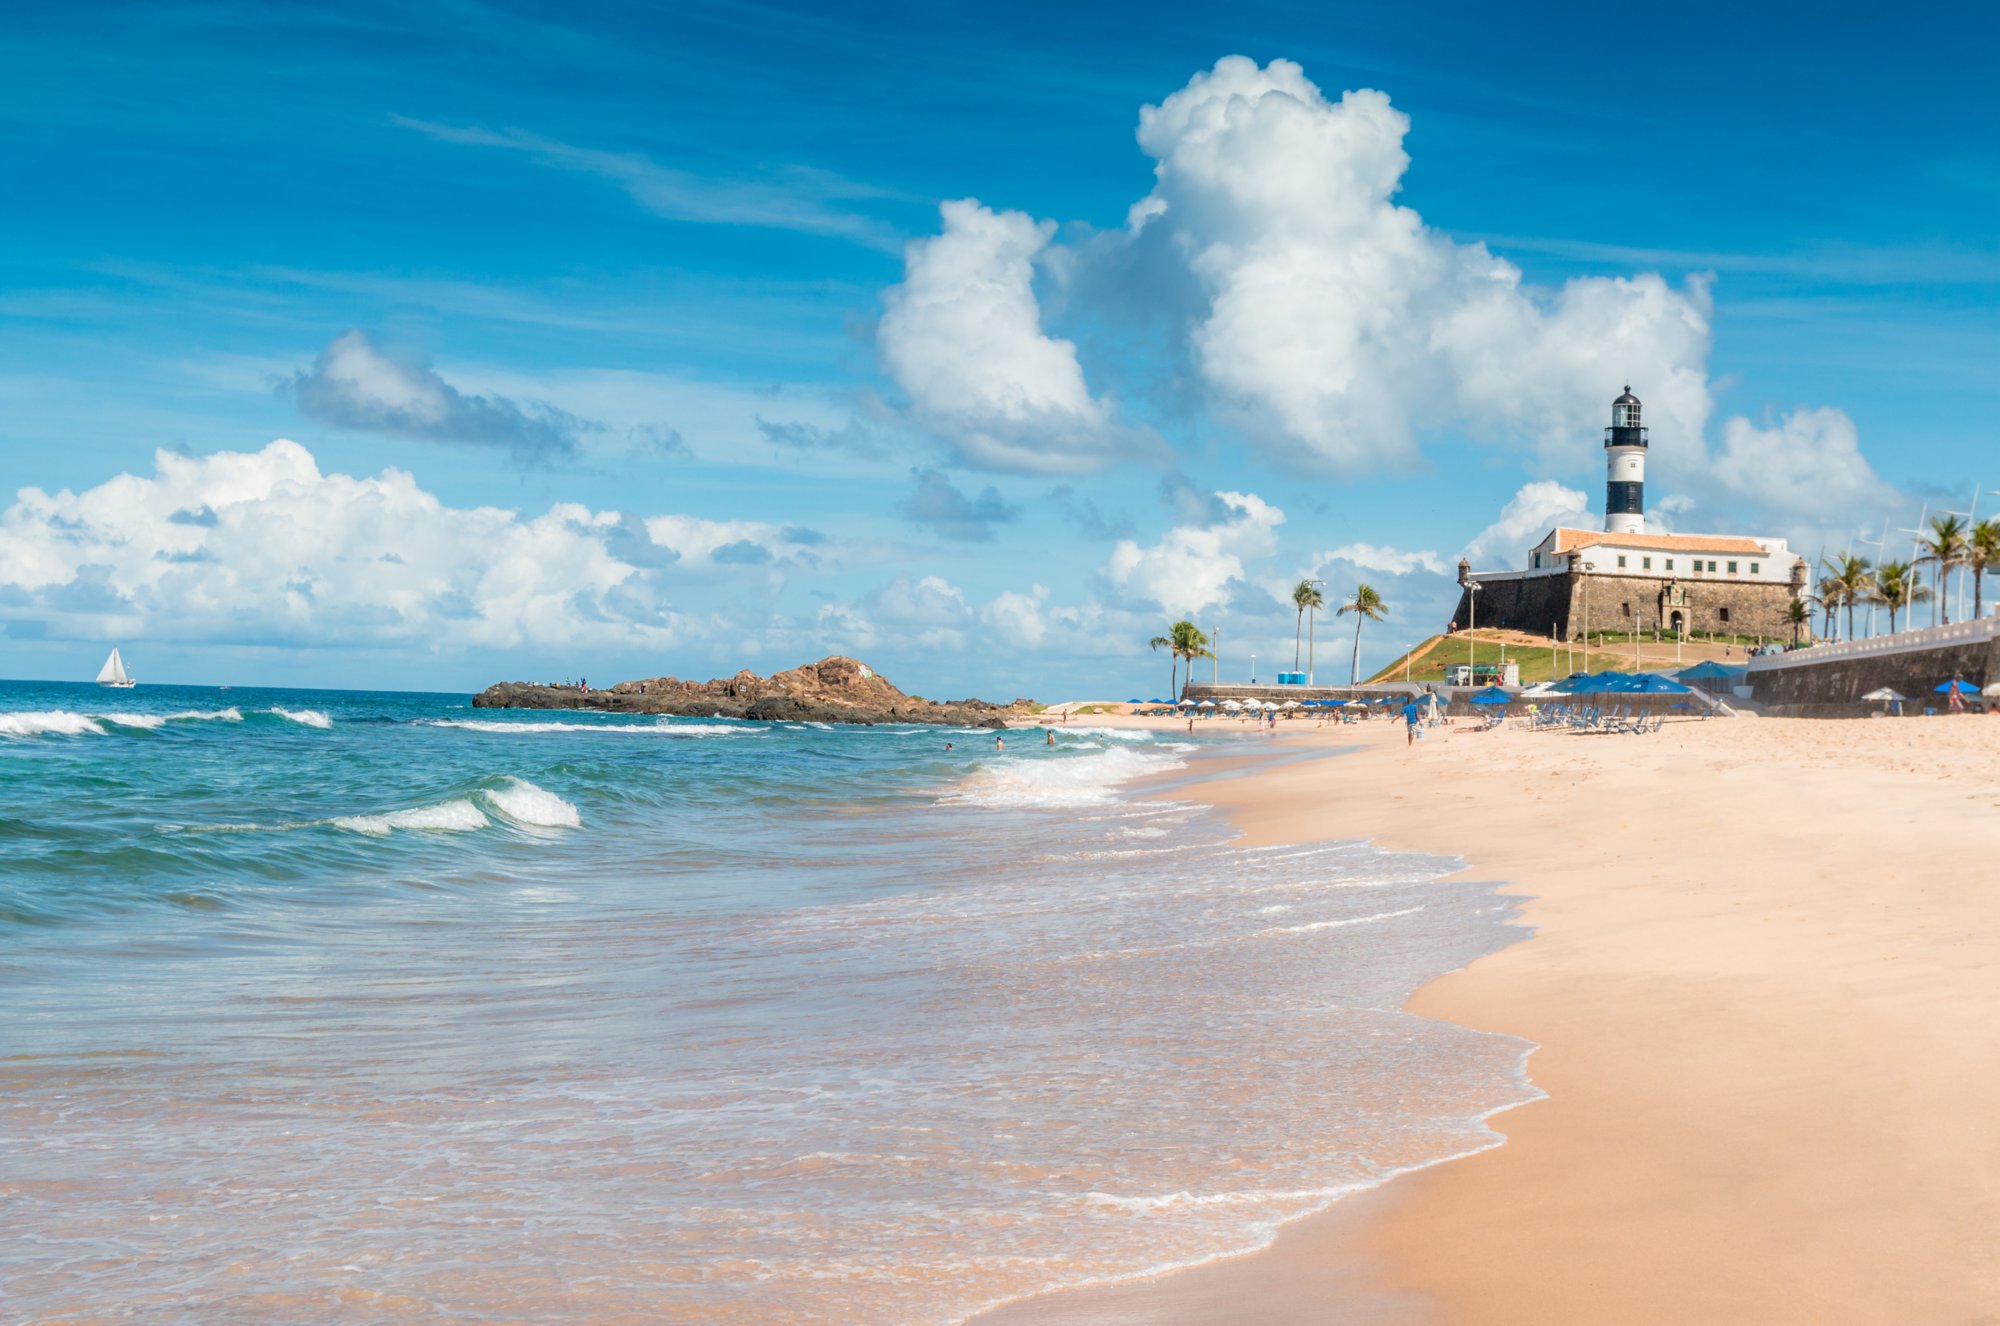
[[1490, 695], [1650, 683], [1596, 683], [1956, 684]]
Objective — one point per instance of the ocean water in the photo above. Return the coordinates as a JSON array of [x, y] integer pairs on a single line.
[[366, 1007]]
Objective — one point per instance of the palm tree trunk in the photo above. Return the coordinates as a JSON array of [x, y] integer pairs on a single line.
[[1354, 666], [1944, 593], [1174, 686], [1298, 630], [1892, 619], [1978, 584]]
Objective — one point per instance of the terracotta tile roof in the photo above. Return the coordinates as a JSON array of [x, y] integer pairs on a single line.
[[1570, 540]]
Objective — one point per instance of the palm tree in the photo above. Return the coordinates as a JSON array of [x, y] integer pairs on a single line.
[[1166, 642], [1185, 641], [1800, 616], [1896, 588], [1364, 602], [1305, 597], [1844, 581], [1829, 592], [1982, 549], [1827, 595], [1946, 547], [1857, 578]]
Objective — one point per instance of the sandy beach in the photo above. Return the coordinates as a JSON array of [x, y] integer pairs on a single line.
[[1763, 977]]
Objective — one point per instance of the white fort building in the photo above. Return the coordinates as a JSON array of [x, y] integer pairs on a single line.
[[1621, 578]]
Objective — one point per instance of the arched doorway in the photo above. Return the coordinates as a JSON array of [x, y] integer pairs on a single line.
[[1677, 622]]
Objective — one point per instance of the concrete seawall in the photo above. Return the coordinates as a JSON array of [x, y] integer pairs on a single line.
[[1829, 680]]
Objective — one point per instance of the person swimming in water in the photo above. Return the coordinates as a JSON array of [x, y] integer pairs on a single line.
[[1052, 738], [999, 743]]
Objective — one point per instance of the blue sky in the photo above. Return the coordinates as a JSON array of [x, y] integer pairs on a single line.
[[634, 341]]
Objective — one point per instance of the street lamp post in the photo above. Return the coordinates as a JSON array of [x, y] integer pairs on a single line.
[[1588, 567], [1472, 588]]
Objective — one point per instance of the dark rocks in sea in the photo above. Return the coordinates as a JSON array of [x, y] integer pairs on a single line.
[[834, 690]]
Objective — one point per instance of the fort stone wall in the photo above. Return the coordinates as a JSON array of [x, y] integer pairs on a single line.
[[1570, 603]]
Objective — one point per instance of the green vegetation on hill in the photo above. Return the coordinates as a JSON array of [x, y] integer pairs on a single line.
[[1608, 651]]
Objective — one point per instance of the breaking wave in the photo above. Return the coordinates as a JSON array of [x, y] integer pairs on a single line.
[[617, 729], [519, 801], [1039, 782]]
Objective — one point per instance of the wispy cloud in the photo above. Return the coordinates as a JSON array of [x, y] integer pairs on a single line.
[[1938, 264], [353, 384], [798, 198], [952, 513]]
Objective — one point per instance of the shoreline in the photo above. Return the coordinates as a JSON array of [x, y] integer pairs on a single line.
[[1769, 1078]]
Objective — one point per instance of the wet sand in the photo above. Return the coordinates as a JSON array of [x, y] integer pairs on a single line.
[[1765, 977]]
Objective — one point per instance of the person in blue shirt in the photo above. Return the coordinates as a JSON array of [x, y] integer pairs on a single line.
[[1413, 714]]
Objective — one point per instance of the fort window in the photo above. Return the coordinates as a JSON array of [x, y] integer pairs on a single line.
[[1538, 559], [1724, 612], [1711, 566], [1645, 563], [1627, 609], [1670, 564], [1732, 568], [1621, 561], [1753, 568]]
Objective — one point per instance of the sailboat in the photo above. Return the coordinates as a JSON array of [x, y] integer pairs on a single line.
[[113, 672]]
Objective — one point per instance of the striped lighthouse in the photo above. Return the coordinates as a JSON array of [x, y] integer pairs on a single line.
[[1625, 468]]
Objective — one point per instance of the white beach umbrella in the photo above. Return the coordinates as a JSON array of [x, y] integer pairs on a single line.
[[1883, 693], [1207, 704], [1232, 704], [1992, 690]]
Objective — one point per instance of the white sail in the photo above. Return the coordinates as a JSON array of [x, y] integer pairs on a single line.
[[113, 672]]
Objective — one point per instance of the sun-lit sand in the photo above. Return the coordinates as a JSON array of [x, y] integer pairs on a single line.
[[1764, 979]]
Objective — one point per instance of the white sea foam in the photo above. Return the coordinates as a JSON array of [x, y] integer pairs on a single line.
[[1339, 924], [615, 729], [49, 722], [455, 816], [1115, 733], [1083, 780], [309, 717], [524, 803], [66, 723]]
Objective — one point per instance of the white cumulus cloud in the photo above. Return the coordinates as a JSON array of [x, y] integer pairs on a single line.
[[1299, 301], [962, 336], [1528, 515], [1015, 619], [1339, 326], [1192, 566], [262, 548], [1806, 469]]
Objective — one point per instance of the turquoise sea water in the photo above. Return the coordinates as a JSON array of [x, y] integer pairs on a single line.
[[351, 1006]]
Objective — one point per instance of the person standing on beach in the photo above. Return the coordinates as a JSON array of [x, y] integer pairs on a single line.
[[1413, 714]]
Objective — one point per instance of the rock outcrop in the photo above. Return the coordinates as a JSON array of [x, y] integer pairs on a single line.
[[833, 690]]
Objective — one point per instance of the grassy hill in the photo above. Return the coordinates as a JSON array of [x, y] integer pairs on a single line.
[[1539, 662]]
